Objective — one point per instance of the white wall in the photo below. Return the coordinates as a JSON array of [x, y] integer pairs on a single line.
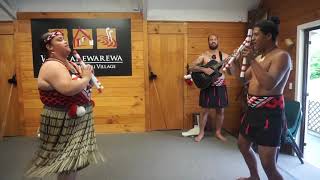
[[4, 16], [77, 5], [200, 10], [164, 10], [196, 15], [7, 6]]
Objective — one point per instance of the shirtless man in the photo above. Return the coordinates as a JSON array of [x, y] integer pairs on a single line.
[[215, 96], [264, 120]]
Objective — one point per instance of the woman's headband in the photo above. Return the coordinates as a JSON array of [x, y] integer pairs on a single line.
[[52, 35]]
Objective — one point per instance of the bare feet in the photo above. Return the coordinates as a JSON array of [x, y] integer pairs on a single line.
[[199, 137], [249, 178], [220, 137]]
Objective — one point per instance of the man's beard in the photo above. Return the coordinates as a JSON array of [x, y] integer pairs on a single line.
[[213, 47]]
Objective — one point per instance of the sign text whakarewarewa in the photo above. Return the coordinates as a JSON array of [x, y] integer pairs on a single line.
[[105, 44]]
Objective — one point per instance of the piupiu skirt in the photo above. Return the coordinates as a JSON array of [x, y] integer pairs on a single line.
[[66, 144]]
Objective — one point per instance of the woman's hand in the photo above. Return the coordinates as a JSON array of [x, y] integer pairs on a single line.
[[87, 71]]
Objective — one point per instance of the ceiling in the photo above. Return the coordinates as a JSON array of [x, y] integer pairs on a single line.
[[186, 10]]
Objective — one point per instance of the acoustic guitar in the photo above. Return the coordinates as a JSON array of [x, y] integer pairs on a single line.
[[203, 80]]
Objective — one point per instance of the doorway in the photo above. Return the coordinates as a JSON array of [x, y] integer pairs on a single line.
[[311, 96]]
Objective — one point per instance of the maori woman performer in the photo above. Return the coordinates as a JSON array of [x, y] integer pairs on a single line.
[[67, 136]]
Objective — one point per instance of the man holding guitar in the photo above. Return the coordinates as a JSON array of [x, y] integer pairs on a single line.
[[215, 95]]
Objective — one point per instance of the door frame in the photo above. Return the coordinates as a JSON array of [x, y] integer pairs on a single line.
[[301, 67]]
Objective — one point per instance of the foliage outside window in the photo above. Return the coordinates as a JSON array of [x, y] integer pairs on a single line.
[[315, 65]]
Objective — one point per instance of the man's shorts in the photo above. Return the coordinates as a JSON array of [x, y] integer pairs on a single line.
[[214, 97], [264, 121]]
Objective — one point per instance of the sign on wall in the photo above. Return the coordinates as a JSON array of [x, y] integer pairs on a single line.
[[104, 44]]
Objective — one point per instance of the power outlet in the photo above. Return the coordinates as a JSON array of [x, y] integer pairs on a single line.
[[290, 86]]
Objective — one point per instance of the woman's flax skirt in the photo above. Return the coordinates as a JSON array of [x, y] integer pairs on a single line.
[[66, 145]]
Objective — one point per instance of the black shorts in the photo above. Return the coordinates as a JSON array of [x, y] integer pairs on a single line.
[[264, 121], [214, 97]]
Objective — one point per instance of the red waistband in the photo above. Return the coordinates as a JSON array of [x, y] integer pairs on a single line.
[[219, 82], [269, 102]]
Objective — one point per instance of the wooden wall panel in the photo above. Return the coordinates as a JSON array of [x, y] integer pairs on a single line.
[[121, 108], [298, 13], [6, 28], [166, 28]]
